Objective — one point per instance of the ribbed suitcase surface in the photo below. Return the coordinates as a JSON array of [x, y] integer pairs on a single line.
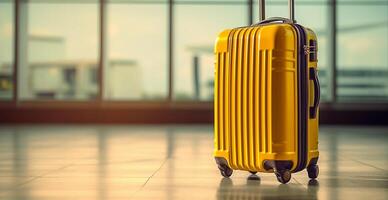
[[242, 116]]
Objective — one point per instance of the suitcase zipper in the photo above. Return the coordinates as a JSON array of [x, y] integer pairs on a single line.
[[302, 68]]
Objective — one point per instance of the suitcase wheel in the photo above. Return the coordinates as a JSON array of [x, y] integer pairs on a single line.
[[225, 171], [252, 172], [283, 176], [313, 171], [253, 177]]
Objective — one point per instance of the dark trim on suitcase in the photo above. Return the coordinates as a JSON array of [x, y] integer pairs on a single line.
[[302, 99]]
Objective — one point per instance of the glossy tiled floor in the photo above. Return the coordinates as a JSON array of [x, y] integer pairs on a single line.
[[175, 162]]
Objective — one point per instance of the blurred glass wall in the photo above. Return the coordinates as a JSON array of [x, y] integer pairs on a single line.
[[362, 50], [137, 53], [58, 50], [196, 26], [61, 51]]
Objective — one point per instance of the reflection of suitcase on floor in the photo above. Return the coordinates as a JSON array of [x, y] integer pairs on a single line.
[[253, 189], [266, 98]]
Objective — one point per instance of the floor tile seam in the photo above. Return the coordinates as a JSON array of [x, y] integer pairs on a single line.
[[293, 178], [42, 175], [149, 178], [378, 168]]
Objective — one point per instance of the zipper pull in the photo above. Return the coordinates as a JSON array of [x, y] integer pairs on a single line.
[[306, 49]]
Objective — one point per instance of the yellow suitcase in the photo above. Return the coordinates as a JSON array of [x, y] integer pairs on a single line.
[[266, 98]]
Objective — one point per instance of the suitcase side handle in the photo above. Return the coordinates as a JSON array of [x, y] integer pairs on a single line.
[[317, 93], [290, 8]]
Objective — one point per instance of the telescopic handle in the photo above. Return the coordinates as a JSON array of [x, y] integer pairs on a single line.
[[262, 10]]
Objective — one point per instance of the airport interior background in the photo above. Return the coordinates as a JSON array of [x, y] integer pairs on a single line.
[[113, 99]]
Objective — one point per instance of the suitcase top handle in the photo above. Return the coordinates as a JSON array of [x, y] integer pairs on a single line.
[[291, 18], [274, 19]]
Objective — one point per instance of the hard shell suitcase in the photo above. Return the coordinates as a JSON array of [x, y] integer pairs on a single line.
[[266, 98]]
